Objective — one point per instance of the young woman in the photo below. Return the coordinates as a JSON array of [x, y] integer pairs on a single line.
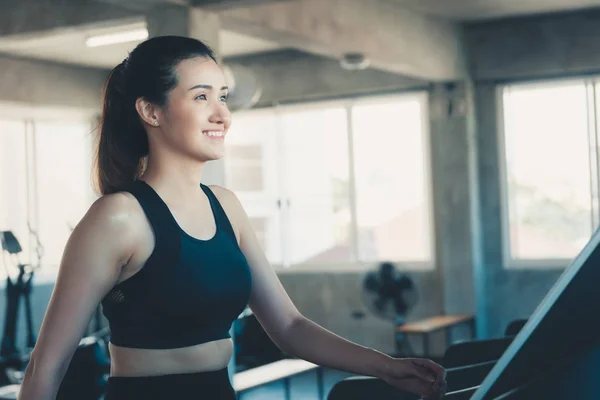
[[173, 261]]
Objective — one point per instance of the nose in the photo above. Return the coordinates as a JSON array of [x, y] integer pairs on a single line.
[[220, 115]]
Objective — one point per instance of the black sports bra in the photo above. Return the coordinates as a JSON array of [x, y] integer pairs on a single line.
[[188, 292]]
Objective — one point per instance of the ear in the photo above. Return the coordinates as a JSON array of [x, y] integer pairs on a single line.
[[147, 112]]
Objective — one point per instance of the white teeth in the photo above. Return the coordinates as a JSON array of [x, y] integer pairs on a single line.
[[214, 133]]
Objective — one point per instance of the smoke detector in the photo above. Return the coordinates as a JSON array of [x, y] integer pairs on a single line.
[[354, 61]]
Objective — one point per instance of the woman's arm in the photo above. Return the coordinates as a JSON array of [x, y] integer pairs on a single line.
[[100, 244], [297, 336]]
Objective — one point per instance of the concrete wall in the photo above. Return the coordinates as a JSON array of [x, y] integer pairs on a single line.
[[330, 298], [535, 47]]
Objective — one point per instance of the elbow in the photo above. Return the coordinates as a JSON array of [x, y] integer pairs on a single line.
[[287, 337]]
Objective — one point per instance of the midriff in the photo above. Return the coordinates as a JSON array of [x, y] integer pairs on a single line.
[[211, 356]]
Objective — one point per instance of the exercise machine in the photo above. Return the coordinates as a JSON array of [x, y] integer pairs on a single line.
[[555, 354], [12, 359]]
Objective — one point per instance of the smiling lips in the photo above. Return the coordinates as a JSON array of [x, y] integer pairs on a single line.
[[214, 134]]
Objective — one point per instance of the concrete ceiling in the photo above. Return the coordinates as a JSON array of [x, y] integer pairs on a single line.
[[68, 45], [399, 36], [473, 10]]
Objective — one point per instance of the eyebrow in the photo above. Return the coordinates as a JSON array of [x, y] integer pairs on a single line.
[[206, 87]]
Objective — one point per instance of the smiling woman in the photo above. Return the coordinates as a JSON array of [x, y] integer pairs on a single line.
[[173, 261]]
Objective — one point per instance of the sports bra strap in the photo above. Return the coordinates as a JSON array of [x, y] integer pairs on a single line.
[[157, 212], [221, 218]]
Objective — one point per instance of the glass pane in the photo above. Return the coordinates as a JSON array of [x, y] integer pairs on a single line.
[[547, 170], [251, 172], [319, 230], [13, 183], [315, 167], [64, 193], [392, 180]]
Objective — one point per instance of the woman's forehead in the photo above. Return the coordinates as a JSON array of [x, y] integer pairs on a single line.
[[200, 71]]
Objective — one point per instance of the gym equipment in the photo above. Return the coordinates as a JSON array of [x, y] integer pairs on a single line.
[[390, 295], [475, 352], [21, 287], [87, 375], [253, 347], [366, 388], [515, 327], [554, 356], [13, 360]]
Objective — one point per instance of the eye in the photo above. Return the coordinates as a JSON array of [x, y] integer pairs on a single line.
[[224, 98], [201, 97]]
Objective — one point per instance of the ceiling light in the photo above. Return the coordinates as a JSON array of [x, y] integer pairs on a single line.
[[117, 37]]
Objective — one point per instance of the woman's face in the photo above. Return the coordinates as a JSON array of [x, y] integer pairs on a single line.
[[196, 119]]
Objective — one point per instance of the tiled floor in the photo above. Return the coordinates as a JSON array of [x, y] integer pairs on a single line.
[[303, 387]]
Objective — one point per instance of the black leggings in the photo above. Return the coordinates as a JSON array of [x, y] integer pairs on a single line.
[[193, 386]]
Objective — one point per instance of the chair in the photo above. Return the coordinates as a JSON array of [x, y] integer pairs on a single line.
[[468, 376], [367, 388], [475, 352]]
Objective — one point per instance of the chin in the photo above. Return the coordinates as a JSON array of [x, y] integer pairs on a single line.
[[212, 156]]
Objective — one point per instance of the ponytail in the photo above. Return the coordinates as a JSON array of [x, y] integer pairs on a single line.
[[122, 143]]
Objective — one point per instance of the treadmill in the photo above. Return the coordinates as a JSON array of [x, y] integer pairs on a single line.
[[556, 355]]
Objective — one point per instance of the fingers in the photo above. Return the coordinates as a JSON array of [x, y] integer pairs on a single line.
[[428, 364], [420, 371], [428, 370]]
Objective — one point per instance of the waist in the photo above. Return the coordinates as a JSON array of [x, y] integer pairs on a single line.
[[136, 362], [165, 332]]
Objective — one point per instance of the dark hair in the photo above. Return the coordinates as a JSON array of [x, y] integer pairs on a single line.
[[148, 72]]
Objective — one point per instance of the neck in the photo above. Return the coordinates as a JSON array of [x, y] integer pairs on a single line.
[[176, 177]]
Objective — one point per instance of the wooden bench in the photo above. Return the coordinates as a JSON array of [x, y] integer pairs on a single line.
[[428, 326], [276, 371]]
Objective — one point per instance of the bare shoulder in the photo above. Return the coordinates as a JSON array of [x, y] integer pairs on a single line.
[[227, 198], [117, 213], [114, 209]]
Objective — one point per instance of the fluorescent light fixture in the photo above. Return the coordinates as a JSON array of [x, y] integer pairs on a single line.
[[117, 37]]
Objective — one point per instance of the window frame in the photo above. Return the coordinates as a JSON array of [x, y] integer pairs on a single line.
[[508, 261], [354, 264], [30, 116]]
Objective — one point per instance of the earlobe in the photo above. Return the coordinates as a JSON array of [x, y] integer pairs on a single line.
[[146, 112]]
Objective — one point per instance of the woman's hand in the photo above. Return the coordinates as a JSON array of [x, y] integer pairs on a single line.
[[416, 375]]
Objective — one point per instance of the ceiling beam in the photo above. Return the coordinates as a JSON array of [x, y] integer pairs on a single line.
[[227, 4], [393, 38], [22, 17], [315, 78], [144, 5], [48, 84]]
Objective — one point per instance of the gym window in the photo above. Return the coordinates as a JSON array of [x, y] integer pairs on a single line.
[[336, 183], [550, 180], [44, 179]]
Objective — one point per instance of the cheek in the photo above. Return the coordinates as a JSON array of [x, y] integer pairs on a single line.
[[188, 122], [228, 119]]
